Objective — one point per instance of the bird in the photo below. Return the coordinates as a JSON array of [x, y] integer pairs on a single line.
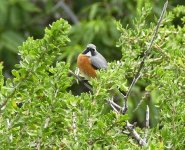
[[89, 61]]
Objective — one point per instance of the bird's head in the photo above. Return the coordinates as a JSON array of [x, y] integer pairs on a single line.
[[90, 50]]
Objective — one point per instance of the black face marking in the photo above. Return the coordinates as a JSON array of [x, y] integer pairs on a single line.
[[89, 49], [93, 52], [85, 51]]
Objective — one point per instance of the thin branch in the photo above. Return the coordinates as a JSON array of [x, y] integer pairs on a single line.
[[113, 104], [135, 135], [81, 80], [129, 126], [125, 105], [147, 116], [126, 132], [147, 122], [138, 105], [67, 10], [147, 52], [141, 101], [114, 108], [136, 78], [2, 106]]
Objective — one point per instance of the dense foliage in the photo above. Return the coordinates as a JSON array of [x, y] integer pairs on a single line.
[[23, 18], [39, 111], [38, 107]]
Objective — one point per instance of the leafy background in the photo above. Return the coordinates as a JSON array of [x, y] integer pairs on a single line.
[[94, 22]]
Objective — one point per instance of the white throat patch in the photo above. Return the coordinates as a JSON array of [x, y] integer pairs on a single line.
[[88, 54]]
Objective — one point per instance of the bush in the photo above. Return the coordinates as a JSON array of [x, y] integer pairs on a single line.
[[51, 117]]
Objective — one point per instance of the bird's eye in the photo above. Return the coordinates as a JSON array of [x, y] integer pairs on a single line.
[[92, 49]]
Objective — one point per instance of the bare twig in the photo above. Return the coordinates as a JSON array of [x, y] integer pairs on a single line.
[[67, 10], [141, 101], [114, 108], [125, 106], [132, 131], [138, 105], [136, 78], [147, 122], [74, 125], [147, 52], [147, 116], [79, 79], [130, 127], [125, 132], [113, 104], [77, 71], [136, 136]]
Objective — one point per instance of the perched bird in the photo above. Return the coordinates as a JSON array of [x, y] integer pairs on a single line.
[[89, 61]]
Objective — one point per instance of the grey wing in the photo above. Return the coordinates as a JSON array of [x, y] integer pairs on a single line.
[[98, 61]]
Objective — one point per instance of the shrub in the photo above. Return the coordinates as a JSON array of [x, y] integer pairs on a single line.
[[51, 117]]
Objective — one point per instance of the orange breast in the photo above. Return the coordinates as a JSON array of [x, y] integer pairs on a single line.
[[85, 66]]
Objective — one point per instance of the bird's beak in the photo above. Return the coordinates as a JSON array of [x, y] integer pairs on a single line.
[[87, 53]]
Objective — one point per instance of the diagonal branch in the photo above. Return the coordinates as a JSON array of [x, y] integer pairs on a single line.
[[146, 94], [81, 80], [147, 122], [134, 133], [66, 8], [116, 108], [147, 52], [2, 106]]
